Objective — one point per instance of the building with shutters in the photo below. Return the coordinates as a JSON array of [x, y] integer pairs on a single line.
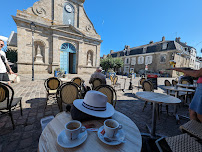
[[64, 38], [156, 56]]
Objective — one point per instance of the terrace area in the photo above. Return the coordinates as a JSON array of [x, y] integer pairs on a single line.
[[28, 128]]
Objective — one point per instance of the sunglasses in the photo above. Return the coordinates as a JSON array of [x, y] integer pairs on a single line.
[[2, 45]]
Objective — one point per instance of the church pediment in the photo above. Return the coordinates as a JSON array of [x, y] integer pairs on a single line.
[[67, 28]]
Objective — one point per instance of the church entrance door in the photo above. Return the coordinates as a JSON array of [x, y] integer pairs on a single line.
[[68, 58]]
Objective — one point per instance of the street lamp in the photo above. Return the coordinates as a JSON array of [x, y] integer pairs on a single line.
[[32, 27]]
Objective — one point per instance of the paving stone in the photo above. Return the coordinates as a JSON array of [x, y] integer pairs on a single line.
[[27, 134], [2, 124], [25, 143], [29, 127], [15, 136], [11, 147]]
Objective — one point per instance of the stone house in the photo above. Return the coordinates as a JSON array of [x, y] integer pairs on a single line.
[[156, 56], [64, 38]]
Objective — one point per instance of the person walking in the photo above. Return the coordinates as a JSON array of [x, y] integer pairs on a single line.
[[195, 107], [4, 66]]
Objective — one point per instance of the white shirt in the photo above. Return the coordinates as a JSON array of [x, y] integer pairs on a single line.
[[2, 65]]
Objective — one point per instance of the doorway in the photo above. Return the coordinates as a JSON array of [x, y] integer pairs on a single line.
[[68, 58]]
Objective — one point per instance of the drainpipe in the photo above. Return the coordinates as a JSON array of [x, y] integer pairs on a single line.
[[52, 19]]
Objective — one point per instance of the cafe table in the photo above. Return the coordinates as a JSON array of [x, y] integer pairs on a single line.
[[179, 89], [156, 98], [188, 86], [48, 138]]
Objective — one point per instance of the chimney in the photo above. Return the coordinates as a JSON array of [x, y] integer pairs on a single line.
[[151, 42], [177, 39], [111, 51], [104, 56], [163, 38], [127, 47]]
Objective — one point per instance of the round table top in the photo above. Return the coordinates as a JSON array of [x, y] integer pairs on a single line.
[[48, 138], [187, 85], [178, 89], [157, 97]]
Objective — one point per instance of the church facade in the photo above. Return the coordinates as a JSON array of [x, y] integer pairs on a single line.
[[64, 38]]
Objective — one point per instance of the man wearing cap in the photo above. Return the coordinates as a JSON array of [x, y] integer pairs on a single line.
[[98, 74], [3, 64]]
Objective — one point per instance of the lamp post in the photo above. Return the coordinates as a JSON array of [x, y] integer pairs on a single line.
[[32, 27]]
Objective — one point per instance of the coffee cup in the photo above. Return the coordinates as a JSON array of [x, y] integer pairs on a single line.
[[111, 127], [73, 129]]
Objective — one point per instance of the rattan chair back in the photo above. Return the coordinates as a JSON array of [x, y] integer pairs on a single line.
[[4, 95], [185, 82], [109, 92], [112, 79], [7, 100], [96, 82], [167, 83], [78, 81], [141, 81], [174, 83], [147, 86], [115, 80], [67, 93], [52, 83]]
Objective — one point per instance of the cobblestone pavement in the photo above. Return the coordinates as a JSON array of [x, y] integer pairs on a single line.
[[28, 129]]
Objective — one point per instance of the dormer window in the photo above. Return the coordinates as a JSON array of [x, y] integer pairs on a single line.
[[164, 46], [144, 49]]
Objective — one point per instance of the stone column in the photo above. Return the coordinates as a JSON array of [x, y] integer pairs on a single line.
[[56, 52]]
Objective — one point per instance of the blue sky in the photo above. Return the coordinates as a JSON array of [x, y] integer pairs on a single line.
[[130, 22]]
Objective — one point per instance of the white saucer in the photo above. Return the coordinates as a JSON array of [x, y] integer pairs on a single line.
[[120, 136], [66, 143]]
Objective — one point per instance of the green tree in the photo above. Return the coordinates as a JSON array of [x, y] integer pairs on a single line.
[[118, 62], [111, 63]]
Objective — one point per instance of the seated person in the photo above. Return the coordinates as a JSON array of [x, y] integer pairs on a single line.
[[98, 74]]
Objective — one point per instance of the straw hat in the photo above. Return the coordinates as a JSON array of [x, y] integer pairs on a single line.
[[95, 104]]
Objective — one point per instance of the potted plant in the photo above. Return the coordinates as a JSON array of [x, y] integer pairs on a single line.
[[59, 72]]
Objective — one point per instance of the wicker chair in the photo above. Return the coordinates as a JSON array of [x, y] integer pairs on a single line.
[[67, 93], [115, 82], [109, 92], [179, 143], [185, 82], [193, 127], [167, 83], [140, 83], [78, 81], [147, 86], [8, 102], [96, 82], [174, 83], [112, 79], [51, 85]]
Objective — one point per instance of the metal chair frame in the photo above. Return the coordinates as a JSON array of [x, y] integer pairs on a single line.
[[48, 87], [7, 95]]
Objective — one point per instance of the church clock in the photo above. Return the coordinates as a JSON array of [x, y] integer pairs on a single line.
[[68, 14]]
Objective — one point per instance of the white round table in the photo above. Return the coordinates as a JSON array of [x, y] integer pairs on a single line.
[[48, 138], [156, 98]]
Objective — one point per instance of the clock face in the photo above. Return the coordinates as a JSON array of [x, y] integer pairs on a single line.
[[68, 8]]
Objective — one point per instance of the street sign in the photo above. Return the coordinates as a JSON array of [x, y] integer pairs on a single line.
[[146, 67]]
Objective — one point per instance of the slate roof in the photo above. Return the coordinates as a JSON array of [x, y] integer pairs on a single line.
[[151, 48]]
